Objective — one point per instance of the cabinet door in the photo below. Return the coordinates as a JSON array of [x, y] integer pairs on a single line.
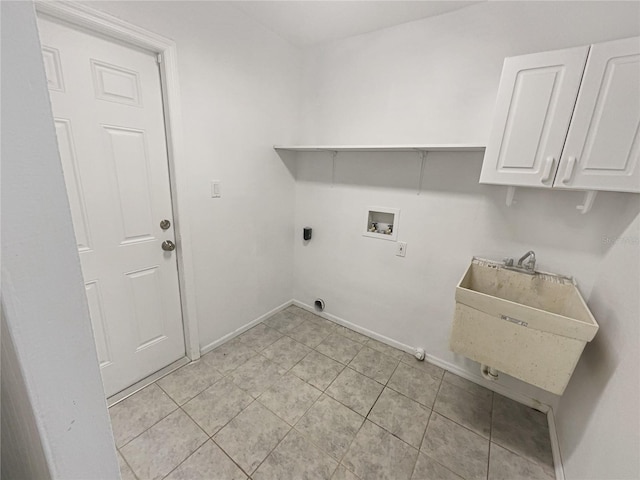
[[602, 151], [535, 101]]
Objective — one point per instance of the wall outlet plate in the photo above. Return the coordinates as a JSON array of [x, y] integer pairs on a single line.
[[216, 189]]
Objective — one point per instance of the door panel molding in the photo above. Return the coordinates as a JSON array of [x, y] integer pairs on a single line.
[[73, 178], [114, 28], [96, 312]]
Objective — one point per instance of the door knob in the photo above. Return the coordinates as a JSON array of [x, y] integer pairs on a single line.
[[165, 224], [168, 246]]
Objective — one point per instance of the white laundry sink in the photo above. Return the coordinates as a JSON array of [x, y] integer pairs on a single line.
[[530, 326]]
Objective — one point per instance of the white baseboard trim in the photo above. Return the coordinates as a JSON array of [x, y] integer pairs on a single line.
[[450, 367], [216, 343], [357, 328], [136, 387], [555, 445]]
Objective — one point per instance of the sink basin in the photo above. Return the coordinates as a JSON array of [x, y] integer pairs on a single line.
[[532, 327]]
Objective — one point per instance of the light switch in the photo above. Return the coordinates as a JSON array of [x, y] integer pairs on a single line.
[[216, 189]]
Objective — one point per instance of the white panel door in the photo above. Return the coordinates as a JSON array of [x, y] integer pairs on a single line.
[[535, 101], [602, 151], [107, 106]]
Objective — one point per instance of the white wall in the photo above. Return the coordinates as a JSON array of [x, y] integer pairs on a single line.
[[22, 451], [599, 418], [50, 369], [435, 81], [239, 88], [428, 81]]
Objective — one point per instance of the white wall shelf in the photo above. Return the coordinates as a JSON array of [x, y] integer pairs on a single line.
[[382, 148]]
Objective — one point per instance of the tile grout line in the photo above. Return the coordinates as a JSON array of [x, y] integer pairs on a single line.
[[227, 375], [198, 447], [420, 452], [464, 426], [519, 455], [154, 424], [127, 462], [256, 399], [305, 412], [333, 331], [395, 435], [349, 447], [365, 417], [194, 451], [430, 417], [273, 449], [384, 385], [209, 437], [424, 434], [510, 448], [229, 456], [400, 361], [429, 421]]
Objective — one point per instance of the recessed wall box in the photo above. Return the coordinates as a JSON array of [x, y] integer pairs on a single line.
[[382, 222]]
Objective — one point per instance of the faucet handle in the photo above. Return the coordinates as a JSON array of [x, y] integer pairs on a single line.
[[508, 261], [531, 264]]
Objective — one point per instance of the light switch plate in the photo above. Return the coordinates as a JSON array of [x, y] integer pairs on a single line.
[[401, 249], [216, 189]]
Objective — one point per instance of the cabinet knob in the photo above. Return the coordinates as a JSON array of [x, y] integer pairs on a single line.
[[548, 168]]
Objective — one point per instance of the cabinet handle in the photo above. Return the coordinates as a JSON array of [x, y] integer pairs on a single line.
[[546, 173], [569, 171]]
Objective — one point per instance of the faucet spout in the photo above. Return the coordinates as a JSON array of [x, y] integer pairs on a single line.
[[531, 263]]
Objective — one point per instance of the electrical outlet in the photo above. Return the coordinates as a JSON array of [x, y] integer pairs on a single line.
[[401, 249]]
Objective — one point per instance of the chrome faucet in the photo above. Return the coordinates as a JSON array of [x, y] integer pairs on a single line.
[[525, 267]]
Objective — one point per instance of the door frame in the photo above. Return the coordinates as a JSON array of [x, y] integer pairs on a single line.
[[96, 21]]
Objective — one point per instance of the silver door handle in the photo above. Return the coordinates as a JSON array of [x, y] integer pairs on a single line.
[[168, 246]]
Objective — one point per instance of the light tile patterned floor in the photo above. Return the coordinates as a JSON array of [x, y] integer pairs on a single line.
[[298, 397]]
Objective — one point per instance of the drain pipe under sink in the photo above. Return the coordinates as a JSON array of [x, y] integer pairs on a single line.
[[488, 372]]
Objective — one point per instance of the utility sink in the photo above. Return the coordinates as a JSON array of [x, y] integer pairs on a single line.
[[530, 326]]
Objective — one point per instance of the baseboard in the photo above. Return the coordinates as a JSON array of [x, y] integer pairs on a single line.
[[207, 348], [136, 387], [495, 387], [455, 369], [450, 367], [357, 328]]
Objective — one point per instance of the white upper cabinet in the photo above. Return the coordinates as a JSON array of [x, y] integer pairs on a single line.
[[554, 126], [602, 151], [533, 110]]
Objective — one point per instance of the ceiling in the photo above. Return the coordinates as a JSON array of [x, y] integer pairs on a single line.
[[308, 23]]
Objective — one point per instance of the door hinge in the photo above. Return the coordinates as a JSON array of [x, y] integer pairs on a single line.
[[159, 58]]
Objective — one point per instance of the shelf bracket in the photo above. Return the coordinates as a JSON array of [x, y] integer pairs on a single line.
[[334, 155], [589, 198], [423, 161], [511, 191]]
